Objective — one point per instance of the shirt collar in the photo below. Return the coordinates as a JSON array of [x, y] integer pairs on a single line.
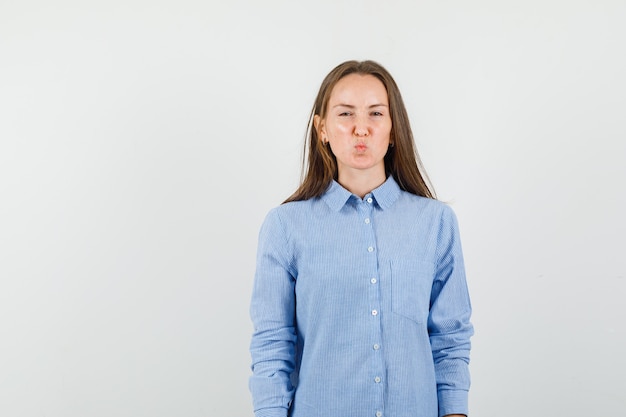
[[385, 195]]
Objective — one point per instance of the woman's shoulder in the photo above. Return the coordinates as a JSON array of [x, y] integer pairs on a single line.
[[295, 206], [410, 198], [436, 208], [293, 209], [289, 218]]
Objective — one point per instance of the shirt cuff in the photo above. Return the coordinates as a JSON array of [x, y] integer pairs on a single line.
[[271, 412], [452, 402]]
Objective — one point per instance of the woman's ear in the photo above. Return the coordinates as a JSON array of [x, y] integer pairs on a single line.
[[318, 123]]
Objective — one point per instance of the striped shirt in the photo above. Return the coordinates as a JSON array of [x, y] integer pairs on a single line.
[[360, 308]]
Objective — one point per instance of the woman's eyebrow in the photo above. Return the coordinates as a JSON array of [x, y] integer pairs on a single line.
[[344, 105], [350, 106]]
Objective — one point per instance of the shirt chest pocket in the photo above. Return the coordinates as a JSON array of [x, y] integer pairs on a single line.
[[411, 284]]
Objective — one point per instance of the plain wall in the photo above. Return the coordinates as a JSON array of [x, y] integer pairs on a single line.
[[143, 142]]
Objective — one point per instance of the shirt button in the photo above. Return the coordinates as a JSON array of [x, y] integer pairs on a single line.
[[373, 280], [379, 414], [377, 379], [370, 249], [374, 312], [376, 346], [367, 221], [369, 200]]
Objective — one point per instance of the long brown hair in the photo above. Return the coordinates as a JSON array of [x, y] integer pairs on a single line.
[[402, 160]]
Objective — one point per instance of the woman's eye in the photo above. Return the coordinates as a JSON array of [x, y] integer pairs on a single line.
[[377, 113], [345, 113]]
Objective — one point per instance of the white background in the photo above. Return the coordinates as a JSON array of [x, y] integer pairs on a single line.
[[143, 142]]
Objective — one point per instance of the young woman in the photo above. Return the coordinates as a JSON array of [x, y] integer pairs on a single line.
[[360, 304]]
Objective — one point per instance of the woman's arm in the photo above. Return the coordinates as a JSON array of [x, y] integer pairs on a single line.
[[272, 310], [449, 320]]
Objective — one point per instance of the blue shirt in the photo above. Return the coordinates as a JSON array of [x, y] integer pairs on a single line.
[[360, 308]]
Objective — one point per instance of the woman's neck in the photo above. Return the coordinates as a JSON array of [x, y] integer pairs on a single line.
[[361, 182]]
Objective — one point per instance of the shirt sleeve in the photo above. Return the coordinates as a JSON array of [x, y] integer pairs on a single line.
[[449, 320], [272, 311]]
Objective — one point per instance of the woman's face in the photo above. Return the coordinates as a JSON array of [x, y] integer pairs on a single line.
[[357, 125]]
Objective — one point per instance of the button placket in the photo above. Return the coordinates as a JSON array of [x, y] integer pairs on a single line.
[[366, 211]]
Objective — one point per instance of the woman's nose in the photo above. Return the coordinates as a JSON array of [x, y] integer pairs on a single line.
[[360, 127]]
